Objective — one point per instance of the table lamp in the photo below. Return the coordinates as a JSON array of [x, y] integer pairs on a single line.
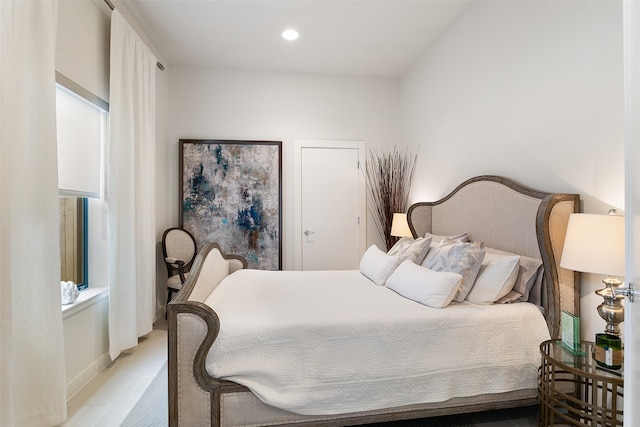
[[400, 226], [595, 244]]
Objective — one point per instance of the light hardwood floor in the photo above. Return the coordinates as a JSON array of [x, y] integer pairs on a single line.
[[108, 398]]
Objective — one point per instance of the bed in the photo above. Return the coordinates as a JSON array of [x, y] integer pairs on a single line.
[[214, 359]]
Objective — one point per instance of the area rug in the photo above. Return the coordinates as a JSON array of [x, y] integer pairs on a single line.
[[152, 410]]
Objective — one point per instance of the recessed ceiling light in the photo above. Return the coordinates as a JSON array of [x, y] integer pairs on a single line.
[[290, 34]]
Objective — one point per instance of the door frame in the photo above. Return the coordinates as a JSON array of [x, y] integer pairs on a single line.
[[360, 145], [631, 31]]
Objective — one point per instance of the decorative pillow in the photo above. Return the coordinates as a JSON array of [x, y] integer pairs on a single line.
[[377, 265], [432, 288], [496, 278], [533, 292], [412, 249], [457, 257], [529, 278], [436, 238]]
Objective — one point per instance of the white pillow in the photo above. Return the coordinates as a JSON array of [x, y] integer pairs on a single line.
[[437, 238], [377, 265], [495, 279], [529, 280], [432, 288], [412, 249], [457, 257]]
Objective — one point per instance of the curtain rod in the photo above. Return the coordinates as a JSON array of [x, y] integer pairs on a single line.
[[112, 7]]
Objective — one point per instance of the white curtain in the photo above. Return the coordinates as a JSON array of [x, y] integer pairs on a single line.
[[32, 369], [130, 188]]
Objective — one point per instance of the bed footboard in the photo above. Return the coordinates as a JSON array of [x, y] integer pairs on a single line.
[[193, 327]]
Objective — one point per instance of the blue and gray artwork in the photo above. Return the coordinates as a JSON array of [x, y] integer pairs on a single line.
[[231, 195]]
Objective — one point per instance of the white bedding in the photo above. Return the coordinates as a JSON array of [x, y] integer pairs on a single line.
[[332, 342]]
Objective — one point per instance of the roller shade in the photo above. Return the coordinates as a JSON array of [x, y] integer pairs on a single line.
[[81, 130]]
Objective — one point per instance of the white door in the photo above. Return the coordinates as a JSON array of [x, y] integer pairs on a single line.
[[632, 143], [331, 205]]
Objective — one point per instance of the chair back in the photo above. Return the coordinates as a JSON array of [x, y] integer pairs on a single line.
[[178, 243]]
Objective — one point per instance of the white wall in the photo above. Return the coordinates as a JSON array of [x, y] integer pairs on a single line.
[[86, 341], [232, 104], [82, 45], [529, 90], [164, 182]]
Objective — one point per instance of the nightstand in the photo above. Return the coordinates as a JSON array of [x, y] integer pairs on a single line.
[[575, 391]]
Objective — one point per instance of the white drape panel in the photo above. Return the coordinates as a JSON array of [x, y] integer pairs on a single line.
[[32, 369], [130, 189]]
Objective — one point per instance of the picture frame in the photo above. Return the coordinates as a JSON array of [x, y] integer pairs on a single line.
[[570, 333], [231, 194]]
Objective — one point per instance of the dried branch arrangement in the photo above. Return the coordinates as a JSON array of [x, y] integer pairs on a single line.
[[389, 177]]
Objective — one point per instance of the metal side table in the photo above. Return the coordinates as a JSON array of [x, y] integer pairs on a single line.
[[574, 391]]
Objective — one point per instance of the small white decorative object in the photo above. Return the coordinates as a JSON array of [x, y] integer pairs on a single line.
[[69, 291]]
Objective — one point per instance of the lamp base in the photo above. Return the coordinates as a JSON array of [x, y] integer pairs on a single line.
[[611, 309]]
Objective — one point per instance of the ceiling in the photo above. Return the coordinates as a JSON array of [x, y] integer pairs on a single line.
[[346, 37]]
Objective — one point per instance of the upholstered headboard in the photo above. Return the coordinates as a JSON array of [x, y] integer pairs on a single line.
[[509, 216]]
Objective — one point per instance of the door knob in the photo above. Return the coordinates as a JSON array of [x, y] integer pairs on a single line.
[[308, 232], [628, 292]]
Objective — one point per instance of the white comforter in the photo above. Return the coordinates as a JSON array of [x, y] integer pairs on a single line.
[[332, 342]]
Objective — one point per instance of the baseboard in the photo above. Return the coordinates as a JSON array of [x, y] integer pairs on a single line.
[[87, 375]]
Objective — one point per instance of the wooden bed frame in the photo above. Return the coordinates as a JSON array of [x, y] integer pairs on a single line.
[[500, 212]]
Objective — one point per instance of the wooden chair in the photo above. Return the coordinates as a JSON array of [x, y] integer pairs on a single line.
[[179, 250]]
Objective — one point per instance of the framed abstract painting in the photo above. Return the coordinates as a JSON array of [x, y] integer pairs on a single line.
[[231, 194]]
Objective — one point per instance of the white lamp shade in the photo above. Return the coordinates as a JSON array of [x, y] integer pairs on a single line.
[[594, 244], [400, 226]]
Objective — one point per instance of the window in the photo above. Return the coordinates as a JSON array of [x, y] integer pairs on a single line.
[[74, 240], [81, 131]]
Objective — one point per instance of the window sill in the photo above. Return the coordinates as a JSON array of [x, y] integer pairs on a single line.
[[86, 298]]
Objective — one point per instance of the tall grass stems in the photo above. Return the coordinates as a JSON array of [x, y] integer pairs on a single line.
[[389, 177]]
